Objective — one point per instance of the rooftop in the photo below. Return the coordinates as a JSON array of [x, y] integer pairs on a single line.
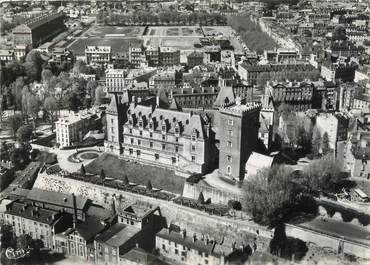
[[239, 109], [117, 235]]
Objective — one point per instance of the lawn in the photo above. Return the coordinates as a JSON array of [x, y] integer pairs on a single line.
[[140, 174]]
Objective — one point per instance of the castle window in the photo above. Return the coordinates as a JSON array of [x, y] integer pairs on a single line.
[[164, 137], [192, 158], [150, 135], [138, 152], [228, 170], [138, 142], [132, 140], [193, 147], [177, 139], [230, 133], [176, 149], [140, 123], [229, 158], [163, 147], [156, 156], [151, 144], [229, 144], [230, 122]]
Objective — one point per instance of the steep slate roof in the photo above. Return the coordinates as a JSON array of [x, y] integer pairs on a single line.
[[140, 256], [225, 96], [187, 122], [113, 105]]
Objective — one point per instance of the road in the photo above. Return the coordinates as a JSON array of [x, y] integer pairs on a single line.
[[339, 229]]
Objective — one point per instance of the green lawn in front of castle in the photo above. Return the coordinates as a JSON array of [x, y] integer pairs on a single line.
[[116, 168]]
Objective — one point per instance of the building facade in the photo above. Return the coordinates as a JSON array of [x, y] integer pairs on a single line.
[[238, 134]]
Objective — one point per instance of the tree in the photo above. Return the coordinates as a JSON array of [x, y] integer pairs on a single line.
[[51, 106], [19, 157], [149, 186], [24, 133], [270, 196], [15, 122], [24, 241], [72, 102], [82, 169], [102, 174], [324, 174], [7, 238], [79, 68], [99, 96], [33, 106], [316, 144], [125, 180], [46, 76], [33, 65], [325, 144], [201, 198]]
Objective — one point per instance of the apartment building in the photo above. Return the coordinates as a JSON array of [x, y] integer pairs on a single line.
[[97, 55], [169, 56], [115, 80], [72, 128]]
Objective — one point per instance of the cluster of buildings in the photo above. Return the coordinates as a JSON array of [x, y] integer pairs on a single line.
[[124, 234]]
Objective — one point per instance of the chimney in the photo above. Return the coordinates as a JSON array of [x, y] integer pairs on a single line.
[[74, 210]]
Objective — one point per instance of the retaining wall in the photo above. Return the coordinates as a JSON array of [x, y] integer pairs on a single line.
[[217, 196], [195, 221], [325, 240]]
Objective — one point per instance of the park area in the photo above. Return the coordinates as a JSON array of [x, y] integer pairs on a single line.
[[117, 168], [119, 38]]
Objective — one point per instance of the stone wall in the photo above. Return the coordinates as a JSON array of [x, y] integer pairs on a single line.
[[217, 196], [195, 221], [324, 240]]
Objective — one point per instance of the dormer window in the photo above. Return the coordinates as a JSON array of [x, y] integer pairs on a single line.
[[177, 129], [151, 125], [130, 121], [164, 127], [141, 123], [194, 135]]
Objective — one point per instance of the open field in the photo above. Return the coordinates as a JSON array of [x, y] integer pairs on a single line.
[[103, 31], [140, 174]]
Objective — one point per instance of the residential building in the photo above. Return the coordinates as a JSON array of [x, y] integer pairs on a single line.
[[260, 74], [298, 95], [36, 31], [195, 58], [152, 55], [72, 128], [335, 125], [177, 247], [97, 55], [357, 157], [169, 56], [6, 55], [238, 134], [115, 80], [36, 221], [135, 56]]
